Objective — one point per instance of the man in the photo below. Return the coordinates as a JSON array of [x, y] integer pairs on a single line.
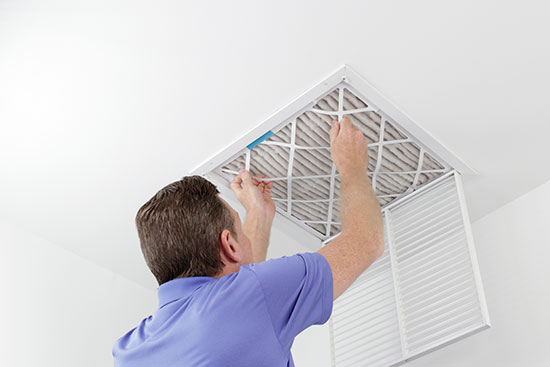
[[220, 302]]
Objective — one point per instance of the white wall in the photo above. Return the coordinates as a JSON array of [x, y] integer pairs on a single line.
[[513, 246], [59, 309]]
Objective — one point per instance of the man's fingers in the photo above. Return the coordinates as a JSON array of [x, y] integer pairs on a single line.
[[268, 187], [236, 184], [259, 181], [345, 124], [334, 130], [265, 185], [246, 177]]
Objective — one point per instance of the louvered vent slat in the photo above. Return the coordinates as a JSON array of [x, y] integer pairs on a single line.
[[428, 249], [366, 315], [424, 290]]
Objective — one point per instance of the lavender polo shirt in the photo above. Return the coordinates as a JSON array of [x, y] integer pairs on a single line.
[[244, 319]]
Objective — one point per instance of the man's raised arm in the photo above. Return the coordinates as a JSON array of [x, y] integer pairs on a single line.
[[255, 196], [362, 239]]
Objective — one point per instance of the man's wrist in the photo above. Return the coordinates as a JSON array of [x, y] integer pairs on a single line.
[[260, 214], [353, 176]]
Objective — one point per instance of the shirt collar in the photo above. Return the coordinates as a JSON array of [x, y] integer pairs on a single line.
[[180, 288]]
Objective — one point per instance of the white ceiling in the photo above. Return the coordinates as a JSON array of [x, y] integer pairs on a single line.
[[102, 104]]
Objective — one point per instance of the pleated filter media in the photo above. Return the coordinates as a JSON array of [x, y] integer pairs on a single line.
[[425, 291], [306, 184]]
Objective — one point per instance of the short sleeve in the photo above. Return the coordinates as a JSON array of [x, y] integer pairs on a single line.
[[298, 292]]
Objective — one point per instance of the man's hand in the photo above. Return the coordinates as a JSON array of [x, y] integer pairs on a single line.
[[254, 195], [348, 148]]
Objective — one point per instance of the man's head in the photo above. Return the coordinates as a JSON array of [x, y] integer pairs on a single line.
[[187, 230]]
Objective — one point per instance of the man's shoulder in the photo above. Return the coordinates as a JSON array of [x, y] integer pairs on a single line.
[[297, 263]]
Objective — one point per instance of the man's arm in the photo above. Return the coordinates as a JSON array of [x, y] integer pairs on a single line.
[[255, 196], [361, 241], [257, 227]]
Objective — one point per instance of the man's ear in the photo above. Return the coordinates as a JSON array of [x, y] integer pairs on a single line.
[[229, 247]]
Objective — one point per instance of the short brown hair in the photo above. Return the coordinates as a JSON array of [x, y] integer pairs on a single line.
[[179, 229]]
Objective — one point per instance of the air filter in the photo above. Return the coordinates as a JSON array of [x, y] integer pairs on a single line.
[[293, 149], [425, 291]]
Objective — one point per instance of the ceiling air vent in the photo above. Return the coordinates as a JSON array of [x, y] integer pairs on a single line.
[[384, 318], [423, 293]]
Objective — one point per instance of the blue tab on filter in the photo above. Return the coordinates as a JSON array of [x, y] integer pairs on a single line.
[[260, 139]]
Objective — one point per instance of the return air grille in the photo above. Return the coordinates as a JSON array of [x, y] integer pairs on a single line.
[[365, 323], [424, 292], [306, 184]]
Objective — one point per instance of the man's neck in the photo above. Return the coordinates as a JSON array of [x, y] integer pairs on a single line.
[[228, 269]]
